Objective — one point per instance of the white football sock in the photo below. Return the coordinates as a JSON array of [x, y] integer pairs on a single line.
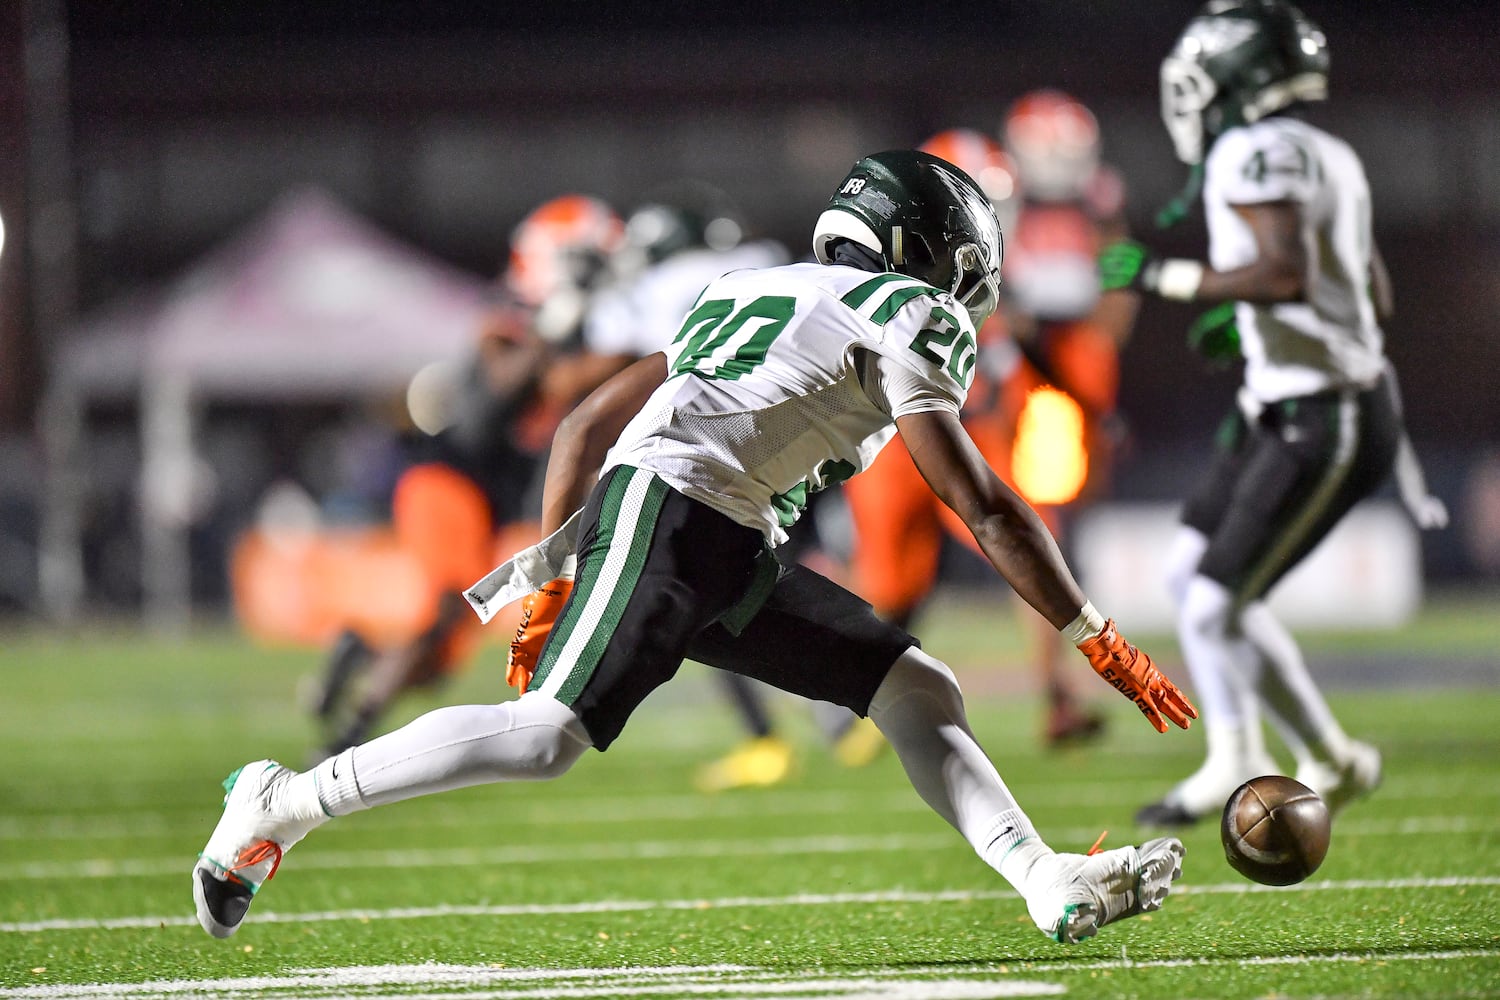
[[1183, 556], [1203, 627], [921, 712], [1280, 678], [533, 738]]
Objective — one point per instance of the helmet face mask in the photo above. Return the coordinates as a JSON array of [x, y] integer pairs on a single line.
[[1236, 62], [922, 217], [1187, 92]]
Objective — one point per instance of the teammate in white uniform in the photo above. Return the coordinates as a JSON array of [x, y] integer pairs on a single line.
[[1316, 427], [778, 382]]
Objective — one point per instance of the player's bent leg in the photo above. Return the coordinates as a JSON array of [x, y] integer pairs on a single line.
[[534, 738], [1183, 556], [1338, 768], [1231, 721], [1069, 896], [269, 808], [920, 710]]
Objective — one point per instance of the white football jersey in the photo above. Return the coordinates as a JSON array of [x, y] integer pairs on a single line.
[[786, 380], [639, 317], [1333, 339]]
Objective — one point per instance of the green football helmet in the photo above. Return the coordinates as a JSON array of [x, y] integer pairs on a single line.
[[1235, 63], [922, 217], [682, 215]]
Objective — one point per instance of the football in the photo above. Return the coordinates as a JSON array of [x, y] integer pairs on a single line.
[[1275, 830]]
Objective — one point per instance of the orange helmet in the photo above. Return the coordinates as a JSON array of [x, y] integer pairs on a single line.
[[562, 246], [981, 157], [1055, 142]]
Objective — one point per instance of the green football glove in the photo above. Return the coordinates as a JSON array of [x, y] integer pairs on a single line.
[[1216, 336], [1126, 265]]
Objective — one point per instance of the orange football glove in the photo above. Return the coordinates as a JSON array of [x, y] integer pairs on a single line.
[[539, 610], [1132, 673]]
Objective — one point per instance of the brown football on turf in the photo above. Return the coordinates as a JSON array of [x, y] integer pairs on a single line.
[[1275, 830]]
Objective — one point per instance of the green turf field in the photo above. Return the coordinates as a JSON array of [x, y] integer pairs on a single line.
[[619, 880]]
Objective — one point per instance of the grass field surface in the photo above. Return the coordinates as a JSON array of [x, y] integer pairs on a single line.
[[619, 881]]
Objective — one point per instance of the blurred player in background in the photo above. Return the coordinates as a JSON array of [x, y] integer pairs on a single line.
[[1317, 425], [667, 493], [1044, 397], [472, 495]]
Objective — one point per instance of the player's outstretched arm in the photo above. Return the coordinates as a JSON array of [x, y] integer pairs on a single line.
[[1279, 272], [1009, 532], [586, 435], [1021, 548]]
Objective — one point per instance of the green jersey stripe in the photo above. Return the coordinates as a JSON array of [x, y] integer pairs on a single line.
[[856, 296], [898, 298], [880, 298]]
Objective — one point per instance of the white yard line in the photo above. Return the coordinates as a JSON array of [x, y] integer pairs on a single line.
[[980, 981], [324, 858], [733, 902], [571, 810], [562, 811]]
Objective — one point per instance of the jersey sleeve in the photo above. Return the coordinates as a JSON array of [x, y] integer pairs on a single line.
[[926, 347], [1257, 165]]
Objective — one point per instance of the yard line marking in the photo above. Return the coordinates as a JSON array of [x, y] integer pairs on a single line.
[[439, 982], [880, 984], [468, 857], [749, 902], [567, 810]]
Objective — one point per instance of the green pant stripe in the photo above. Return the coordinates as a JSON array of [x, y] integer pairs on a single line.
[[627, 520], [583, 584]]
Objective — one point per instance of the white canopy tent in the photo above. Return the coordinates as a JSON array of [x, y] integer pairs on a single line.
[[311, 302]]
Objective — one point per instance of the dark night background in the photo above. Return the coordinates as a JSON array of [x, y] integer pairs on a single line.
[[164, 127]]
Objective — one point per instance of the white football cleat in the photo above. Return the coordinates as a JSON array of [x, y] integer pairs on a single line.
[[246, 848], [1339, 784], [1088, 891]]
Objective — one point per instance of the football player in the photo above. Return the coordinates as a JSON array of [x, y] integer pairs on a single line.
[[470, 495], [1316, 426], [667, 492]]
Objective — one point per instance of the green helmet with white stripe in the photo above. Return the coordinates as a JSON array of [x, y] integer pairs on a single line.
[[922, 217], [1236, 62]]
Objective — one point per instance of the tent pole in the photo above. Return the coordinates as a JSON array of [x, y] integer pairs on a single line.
[[167, 499], [60, 576]]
